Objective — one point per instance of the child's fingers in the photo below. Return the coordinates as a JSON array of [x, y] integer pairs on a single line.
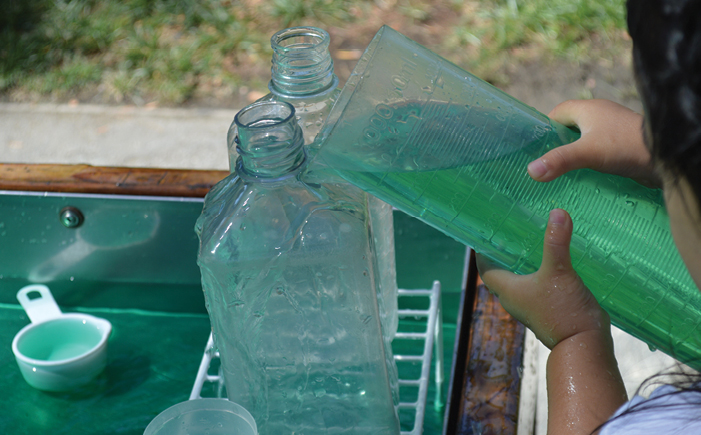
[[577, 155], [567, 112], [497, 279], [556, 247]]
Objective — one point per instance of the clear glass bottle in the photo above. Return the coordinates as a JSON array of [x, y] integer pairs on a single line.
[[303, 75], [289, 277]]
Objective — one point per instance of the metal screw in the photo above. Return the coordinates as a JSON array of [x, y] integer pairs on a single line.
[[71, 217]]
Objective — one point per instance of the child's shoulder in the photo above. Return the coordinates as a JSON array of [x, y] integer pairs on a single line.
[[668, 410]]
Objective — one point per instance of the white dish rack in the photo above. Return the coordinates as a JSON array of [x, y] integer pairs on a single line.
[[432, 338]]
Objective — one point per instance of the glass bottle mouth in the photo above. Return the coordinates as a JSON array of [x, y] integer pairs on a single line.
[[300, 38], [269, 141], [302, 64], [264, 114]]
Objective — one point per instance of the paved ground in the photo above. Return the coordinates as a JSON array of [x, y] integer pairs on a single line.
[[114, 136], [196, 139]]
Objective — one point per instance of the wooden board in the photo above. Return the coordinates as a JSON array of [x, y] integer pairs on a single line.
[[107, 180], [490, 384]]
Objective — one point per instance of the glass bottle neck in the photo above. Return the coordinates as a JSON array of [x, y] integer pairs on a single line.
[[269, 142], [302, 63]]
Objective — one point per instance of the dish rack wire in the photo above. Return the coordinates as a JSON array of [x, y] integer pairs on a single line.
[[209, 373]]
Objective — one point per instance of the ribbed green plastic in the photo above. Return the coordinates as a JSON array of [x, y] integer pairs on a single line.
[[440, 144]]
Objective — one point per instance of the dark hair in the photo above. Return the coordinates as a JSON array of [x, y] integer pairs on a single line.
[[667, 60]]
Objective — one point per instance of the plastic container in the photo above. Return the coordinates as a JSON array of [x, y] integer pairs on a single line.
[[440, 144], [203, 417], [302, 74], [290, 282], [58, 352]]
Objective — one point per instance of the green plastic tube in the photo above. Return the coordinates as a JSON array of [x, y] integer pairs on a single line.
[[440, 144]]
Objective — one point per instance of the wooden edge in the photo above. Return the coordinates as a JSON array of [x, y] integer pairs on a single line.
[[460, 349], [490, 391], [107, 180]]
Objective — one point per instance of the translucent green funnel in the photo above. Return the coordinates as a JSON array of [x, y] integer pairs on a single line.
[[442, 145]]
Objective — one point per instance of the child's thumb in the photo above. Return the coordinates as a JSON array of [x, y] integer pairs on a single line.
[[556, 247]]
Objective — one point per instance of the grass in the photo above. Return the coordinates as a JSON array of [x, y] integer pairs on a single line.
[[176, 51], [491, 33]]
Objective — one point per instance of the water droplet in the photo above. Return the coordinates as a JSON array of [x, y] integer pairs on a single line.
[[630, 203], [652, 348], [72, 278]]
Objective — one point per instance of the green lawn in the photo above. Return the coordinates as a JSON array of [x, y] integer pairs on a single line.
[[175, 51]]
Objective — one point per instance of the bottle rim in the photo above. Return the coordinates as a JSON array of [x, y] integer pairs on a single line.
[[321, 35], [239, 119]]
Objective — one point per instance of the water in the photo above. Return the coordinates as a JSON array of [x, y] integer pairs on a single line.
[[463, 170], [59, 339]]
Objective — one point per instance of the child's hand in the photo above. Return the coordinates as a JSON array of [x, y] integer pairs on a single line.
[[611, 142], [553, 302]]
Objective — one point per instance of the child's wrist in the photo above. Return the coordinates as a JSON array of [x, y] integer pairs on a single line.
[[597, 328]]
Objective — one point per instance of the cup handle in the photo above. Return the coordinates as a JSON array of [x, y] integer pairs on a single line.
[[38, 309]]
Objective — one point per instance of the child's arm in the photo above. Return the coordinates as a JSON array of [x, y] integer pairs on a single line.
[[584, 384], [611, 142]]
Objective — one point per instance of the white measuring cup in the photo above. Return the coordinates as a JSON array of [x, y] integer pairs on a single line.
[[57, 351]]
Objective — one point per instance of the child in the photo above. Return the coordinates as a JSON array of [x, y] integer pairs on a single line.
[[662, 149]]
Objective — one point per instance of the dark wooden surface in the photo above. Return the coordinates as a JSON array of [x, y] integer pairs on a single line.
[[491, 381], [107, 180]]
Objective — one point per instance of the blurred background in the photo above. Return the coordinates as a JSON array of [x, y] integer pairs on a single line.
[[216, 53]]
